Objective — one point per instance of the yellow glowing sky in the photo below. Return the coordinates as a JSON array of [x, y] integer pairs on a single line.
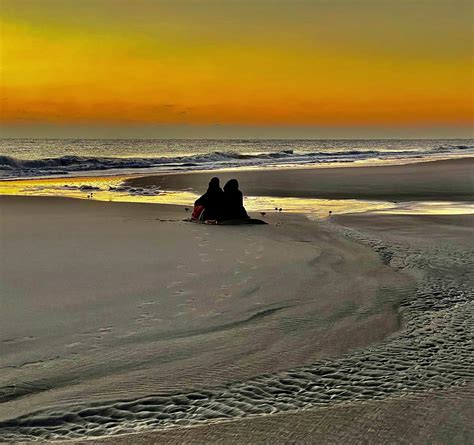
[[324, 63]]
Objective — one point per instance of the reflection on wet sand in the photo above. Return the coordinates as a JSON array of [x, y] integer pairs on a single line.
[[113, 188]]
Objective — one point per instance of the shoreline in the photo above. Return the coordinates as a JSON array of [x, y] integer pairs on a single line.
[[136, 174], [421, 188], [449, 180]]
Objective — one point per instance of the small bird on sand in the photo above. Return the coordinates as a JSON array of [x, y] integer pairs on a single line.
[[330, 212], [263, 213], [276, 208], [186, 209], [280, 209]]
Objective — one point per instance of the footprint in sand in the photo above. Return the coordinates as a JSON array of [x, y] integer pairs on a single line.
[[246, 280], [127, 334], [143, 316], [147, 303], [174, 284], [222, 297], [101, 333], [181, 292], [145, 319], [105, 330]]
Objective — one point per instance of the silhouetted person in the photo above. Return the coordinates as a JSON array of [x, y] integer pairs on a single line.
[[233, 201], [212, 201]]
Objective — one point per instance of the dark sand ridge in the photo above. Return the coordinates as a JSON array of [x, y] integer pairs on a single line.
[[449, 180]]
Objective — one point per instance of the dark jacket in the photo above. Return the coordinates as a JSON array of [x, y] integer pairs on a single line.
[[233, 202], [212, 201]]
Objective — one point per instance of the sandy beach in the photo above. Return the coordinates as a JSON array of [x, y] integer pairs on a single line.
[[121, 318], [236, 222]]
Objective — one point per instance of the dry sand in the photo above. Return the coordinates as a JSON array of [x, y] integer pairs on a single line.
[[121, 318], [415, 387], [118, 301]]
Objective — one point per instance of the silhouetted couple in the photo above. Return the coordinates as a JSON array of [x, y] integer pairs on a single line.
[[220, 205]]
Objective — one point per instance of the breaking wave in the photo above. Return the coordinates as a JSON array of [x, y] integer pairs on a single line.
[[11, 167]]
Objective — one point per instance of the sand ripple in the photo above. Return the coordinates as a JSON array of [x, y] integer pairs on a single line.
[[434, 350]]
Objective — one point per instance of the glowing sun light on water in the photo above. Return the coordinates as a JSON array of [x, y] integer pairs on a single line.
[[113, 189]]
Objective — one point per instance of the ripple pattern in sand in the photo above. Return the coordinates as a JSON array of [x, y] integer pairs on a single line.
[[434, 350]]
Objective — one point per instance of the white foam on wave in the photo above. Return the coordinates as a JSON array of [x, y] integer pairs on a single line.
[[13, 167]]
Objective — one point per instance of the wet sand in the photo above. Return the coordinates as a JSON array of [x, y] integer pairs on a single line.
[[449, 180], [434, 417]]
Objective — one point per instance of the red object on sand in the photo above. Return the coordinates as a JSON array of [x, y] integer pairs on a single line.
[[197, 213]]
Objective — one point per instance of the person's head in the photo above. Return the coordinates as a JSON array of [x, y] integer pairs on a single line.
[[214, 183], [231, 185]]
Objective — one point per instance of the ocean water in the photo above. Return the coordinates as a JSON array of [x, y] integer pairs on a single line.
[[23, 158]]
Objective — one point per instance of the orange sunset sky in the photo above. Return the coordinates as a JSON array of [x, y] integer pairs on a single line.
[[70, 67]]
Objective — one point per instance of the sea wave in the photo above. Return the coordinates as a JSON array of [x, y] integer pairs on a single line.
[[454, 147], [11, 167]]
